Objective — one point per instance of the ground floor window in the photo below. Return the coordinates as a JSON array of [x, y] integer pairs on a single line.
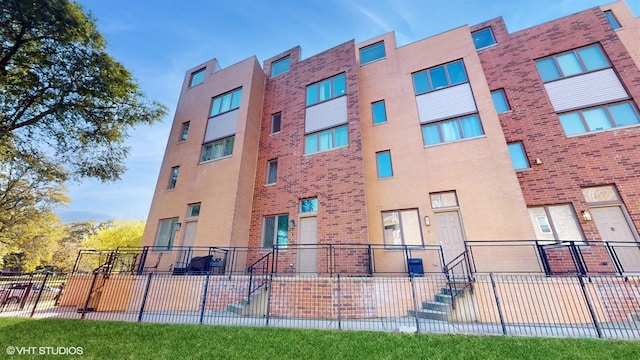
[[555, 223], [401, 227], [275, 230], [166, 232]]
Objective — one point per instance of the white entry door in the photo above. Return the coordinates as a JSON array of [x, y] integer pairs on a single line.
[[308, 241], [450, 234], [613, 227]]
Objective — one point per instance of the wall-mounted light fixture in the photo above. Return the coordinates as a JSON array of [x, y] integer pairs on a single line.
[[427, 220], [178, 226], [537, 161], [586, 215], [292, 224]]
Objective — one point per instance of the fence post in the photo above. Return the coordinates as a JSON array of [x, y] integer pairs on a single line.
[[268, 314], [594, 318], [495, 294], [44, 281], [339, 304], [144, 297], [86, 303], [415, 299], [204, 297]]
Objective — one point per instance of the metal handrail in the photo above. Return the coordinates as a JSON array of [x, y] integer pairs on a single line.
[[264, 261], [450, 273]]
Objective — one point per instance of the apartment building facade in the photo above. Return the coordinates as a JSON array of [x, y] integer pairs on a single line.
[[475, 134]]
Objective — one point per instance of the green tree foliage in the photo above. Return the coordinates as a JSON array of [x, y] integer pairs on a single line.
[[65, 255], [116, 234], [63, 98]]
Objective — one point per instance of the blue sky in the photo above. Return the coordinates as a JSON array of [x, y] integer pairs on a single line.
[[159, 40]]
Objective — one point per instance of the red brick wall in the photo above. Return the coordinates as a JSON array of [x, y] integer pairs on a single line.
[[335, 177], [611, 157]]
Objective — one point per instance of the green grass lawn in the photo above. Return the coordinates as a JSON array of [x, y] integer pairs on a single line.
[[118, 340]]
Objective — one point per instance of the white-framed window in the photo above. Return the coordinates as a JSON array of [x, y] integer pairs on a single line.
[[280, 66], [226, 102], [275, 123], [174, 177], [500, 101], [383, 162], [372, 53], [518, 155], [184, 131], [275, 230], [326, 89], [571, 63], [217, 149], [378, 112], [449, 130], [197, 77], [599, 118], [401, 227], [439, 77], [166, 233], [555, 223], [326, 140], [483, 38], [444, 200], [272, 171]]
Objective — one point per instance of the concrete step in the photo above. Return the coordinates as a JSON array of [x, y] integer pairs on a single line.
[[444, 298], [436, 305], [236, 308], [453, 290], [431, 314]]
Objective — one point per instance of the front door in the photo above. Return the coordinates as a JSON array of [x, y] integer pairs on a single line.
[[308, 241], [449, 229], [613, 226]]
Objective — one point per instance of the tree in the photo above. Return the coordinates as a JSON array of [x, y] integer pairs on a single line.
[[63, 98], [64, 257], [118, 233]]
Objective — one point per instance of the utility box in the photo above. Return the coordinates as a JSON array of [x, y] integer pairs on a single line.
[[415, 266]]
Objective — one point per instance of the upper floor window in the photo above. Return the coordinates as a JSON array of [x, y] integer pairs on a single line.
[[272, 171], [615, 25], [500, 101], [280, 66], [599, 118], [326, 89], [275, 123], [483, 38], [217, 149], [372, 53], [379, 112], [184, 131], [572, 63], [518, 156], [226, 102], [197, 77], [451, 130], [383, 161], [174, 177], [439, 77], [326, 140]]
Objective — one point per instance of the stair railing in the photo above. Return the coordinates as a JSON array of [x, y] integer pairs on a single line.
[[458, 273], [259, 274]]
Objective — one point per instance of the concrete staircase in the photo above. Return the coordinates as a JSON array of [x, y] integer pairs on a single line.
[[442, 309], [254, 305]]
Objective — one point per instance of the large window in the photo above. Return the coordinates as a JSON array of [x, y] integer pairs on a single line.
[[166, 232], [379, 112], [372, 53], [326, 89], [439, 77], [518, 156], [572, 63], [401, 227], [197, 77], [555, 223], [452, 130], [326, 140], [217, 149], [599, 118], [275, 123], [280, 66], [500, 101], [275, 231], [272, 171], [184, 132], [383, 161], [615, 24], [226, 102], [483, 38], [174, 177]]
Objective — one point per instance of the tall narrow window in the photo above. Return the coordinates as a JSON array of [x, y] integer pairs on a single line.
[[280, 66], [275, 230], [518, 156], [372, 53], [500, 101], [379, 112], [272, 171], [615, 25], [184, 132], [197, 77], [383, 160], [275, 123], [174, 177], [483, 38]]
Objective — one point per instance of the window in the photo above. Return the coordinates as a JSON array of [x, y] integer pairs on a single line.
[[518, 156], [383, 160], [166, 232], [483, 38], [401, 227], [439, 77], [272, 171], [599, 118], [174, 177], [444, 200], [309, 205], [197, 77], [572, 63], [275, 231], [275, 123], [326, 89], [226, 102], [452, 130], [217, 149], [500, 101], [280, 66], [372, 53], [555, 223], [193, 210], [326, 140], [379, 112], [185, 131], [615, 25]]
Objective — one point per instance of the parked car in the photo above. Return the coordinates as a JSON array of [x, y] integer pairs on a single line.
[[13, 293]]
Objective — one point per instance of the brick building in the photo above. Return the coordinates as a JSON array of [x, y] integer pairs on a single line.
[[475, 134]]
